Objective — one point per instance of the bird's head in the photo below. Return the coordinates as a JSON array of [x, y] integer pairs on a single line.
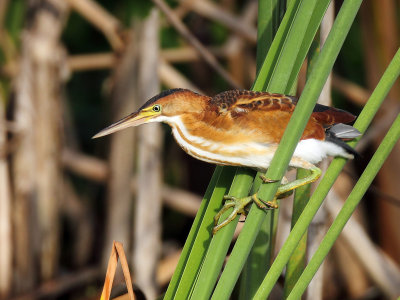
[[161, 108]]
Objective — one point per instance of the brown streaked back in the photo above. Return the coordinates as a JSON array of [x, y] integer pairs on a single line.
[[271, 113], [236, 101]]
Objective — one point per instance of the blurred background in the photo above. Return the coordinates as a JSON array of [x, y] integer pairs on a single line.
[[69, 68]]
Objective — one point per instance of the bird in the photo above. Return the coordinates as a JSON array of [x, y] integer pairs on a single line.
[[244, 128]]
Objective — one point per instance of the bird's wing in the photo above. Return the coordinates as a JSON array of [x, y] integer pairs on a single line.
[[243, 101], [261, 109], [239, 102]]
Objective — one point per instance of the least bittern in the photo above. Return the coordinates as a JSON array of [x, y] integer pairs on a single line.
[[244, 128]]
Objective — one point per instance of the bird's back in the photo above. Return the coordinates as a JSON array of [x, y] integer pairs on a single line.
[[269, 114]]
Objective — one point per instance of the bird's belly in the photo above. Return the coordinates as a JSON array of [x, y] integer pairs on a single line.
[[253, 154], [249, 154]]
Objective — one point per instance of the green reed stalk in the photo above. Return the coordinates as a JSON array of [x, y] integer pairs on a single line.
[[363, 121], [348, 208]]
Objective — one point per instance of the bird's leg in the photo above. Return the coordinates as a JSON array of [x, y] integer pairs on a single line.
[[239, 204], [315, 174], [287, 188]]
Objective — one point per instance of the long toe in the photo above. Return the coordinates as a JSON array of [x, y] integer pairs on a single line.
[[270, 204], [265, 205], [229, 219], [230, 198], [228, 204]]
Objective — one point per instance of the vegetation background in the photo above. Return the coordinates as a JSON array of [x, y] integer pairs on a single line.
[[70, 68]]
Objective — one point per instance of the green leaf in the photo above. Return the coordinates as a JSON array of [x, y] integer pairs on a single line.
[[270, 14], [220, 243], [199, 236]]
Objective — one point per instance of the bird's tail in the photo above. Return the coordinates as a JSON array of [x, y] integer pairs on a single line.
[[339, 133], [344, 132]]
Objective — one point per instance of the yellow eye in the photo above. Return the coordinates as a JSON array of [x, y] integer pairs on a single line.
[[156, 108]]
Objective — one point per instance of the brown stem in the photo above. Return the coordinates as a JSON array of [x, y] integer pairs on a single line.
[[6, 245], [212, 11], [191, 39], [101, 19]]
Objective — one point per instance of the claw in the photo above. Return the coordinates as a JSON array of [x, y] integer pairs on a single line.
[[267, 180], [264, 205]]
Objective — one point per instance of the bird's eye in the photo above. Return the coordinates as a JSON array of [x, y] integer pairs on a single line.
[[156, 108]]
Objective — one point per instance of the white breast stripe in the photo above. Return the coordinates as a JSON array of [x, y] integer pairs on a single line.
[[255, 161]]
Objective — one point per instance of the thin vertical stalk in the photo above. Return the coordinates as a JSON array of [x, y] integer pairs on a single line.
[[270, 60], [348, 208], [221, 241], [201, 238], [270, 13], [6, 244], [385, 39], [268, 20], [23, 174], [190, 241], [259, 259], [318, 226], [147, 214], [121, 154], [236, 55], [36, 161], [47, 81], [260, 255], [297, 260], [298, 27]]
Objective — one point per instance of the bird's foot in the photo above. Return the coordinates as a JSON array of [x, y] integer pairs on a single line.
[[239, 204], [239, 207]]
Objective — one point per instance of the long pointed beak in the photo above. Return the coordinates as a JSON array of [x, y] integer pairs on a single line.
[[133, 119]]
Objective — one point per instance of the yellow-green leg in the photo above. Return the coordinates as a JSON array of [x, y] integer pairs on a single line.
[[284, 189], [239, 204]]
